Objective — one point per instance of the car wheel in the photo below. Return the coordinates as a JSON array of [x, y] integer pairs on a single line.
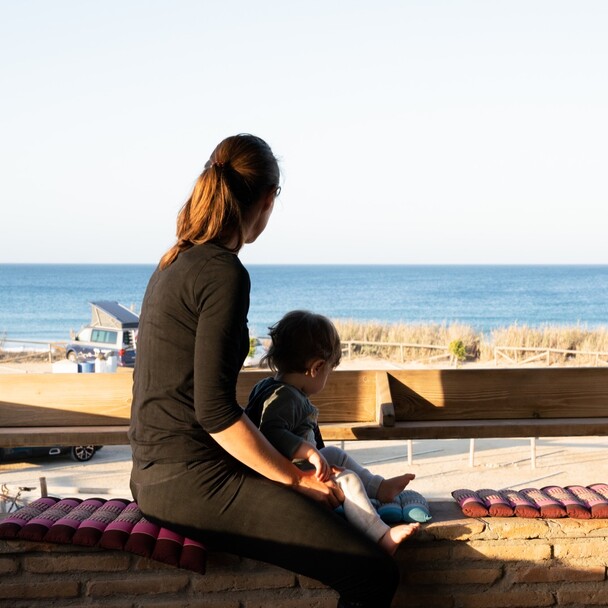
[[82, 453], [71, 356]]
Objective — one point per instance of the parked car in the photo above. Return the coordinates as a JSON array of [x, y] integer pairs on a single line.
[[79, 453], [112, 331]]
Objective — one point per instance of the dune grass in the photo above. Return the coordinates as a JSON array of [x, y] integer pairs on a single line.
[[478, 346], [419, 337]]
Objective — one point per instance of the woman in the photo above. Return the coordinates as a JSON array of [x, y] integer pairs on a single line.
[[200, 466]]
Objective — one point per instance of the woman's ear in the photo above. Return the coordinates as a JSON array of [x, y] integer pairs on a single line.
[[268, 201]]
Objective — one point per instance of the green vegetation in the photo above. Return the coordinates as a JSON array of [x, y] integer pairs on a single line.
[[252, 344], [458, 350]]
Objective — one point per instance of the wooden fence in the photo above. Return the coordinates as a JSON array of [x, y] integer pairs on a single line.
[[349, 345], [516, 355], [22, 351]]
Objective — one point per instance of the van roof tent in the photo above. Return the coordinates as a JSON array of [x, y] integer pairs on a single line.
[[107, 313]]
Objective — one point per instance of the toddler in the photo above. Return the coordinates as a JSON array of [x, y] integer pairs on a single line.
[[305, 348]]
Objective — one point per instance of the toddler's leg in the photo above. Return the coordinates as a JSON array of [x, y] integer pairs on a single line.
[[376, 486], [337, 457], [358, 509], [389, 488], [360, 512]]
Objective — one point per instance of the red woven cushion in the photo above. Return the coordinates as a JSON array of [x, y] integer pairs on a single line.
[[36, 528], [470, 502], [63, 529], [549, 507], [599, 503], [168, 547], [90, 530], [117, 532], [194, 556], [594, 501], [522, 507], [497, 505], [113, 524], [12, 524], [142, 538], [574, 507]]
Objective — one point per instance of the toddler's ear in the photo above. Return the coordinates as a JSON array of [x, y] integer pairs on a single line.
[[316, 366]]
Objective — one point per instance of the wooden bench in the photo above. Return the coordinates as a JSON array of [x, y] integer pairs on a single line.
[[77, 409], [487, 403], [94, 409]]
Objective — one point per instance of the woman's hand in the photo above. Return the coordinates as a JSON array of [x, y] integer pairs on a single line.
[[327, 492]]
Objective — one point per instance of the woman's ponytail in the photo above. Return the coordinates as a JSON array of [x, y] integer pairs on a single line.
[[241, 170]]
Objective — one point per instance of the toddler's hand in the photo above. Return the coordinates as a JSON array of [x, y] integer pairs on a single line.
[[323, 470]]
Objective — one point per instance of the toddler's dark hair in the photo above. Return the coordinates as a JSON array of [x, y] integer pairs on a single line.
[[298, 338]]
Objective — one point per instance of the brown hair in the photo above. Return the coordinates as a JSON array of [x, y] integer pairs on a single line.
[[298, 338], [241, 170]]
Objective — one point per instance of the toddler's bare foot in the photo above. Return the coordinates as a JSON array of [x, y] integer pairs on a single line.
[[389, 488], [396, 535]]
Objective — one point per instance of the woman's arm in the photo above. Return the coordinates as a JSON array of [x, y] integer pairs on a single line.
[[222, 304], [245, 442]]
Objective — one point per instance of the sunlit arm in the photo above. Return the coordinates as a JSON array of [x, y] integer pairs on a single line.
[[306, 451], [245, 442]]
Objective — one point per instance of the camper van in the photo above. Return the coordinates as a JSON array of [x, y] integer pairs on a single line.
[[112, 332]]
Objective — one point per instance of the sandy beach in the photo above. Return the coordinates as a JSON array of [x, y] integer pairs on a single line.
[[440, 466]]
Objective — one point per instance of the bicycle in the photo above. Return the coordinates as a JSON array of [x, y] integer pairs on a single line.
[[9, 502]]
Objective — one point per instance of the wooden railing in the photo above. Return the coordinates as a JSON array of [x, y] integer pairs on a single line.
[[24, 353], [511, 354], [347, 349]]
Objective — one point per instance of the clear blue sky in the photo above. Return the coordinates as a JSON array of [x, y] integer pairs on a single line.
[[408, 131]]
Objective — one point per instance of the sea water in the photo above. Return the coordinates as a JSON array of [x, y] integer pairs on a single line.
[[46, 301]]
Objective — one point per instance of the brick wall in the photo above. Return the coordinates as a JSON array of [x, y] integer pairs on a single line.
[[454, 563]]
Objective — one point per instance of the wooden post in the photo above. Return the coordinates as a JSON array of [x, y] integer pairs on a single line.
[[533, 452], [385, 410]]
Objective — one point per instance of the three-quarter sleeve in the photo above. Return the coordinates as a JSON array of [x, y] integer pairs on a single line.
[[221, 342]]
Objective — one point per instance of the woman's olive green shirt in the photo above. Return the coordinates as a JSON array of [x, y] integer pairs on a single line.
[[192, 342]]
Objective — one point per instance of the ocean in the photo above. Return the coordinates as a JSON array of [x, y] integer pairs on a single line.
[[43, 302]]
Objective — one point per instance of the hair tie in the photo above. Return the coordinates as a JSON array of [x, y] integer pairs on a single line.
[[217, 163]]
